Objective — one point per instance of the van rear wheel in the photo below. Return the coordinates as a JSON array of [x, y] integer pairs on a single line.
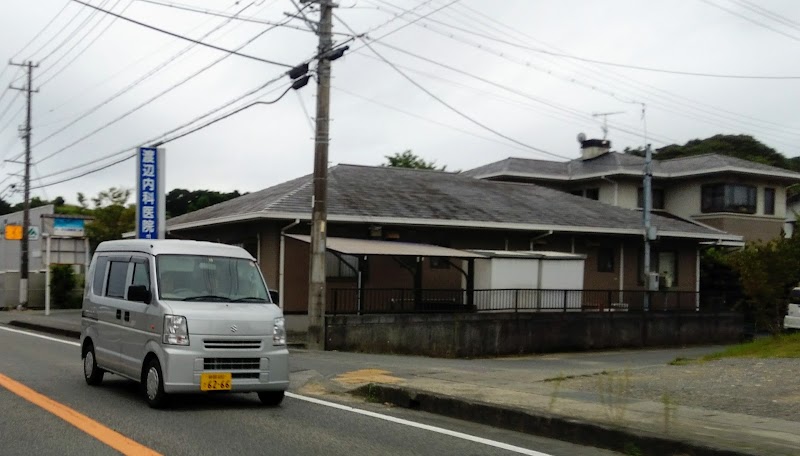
[[153, 384], [271, 398], [91, 373]]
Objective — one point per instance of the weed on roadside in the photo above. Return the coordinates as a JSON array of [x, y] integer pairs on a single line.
[[681, 361], [631, 449], [614, 389]]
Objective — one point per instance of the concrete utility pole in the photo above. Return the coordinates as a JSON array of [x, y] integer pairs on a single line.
[[648, 207], [26, 217], [317, 275]]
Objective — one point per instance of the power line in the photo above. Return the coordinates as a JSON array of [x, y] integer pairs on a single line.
[[209, 12], [72, 34], [39, 33], [117, 162], [98, 84], [569, 79], [750, 19], [602, 62], [648, 88], [228, 51], [783, 20], [138, 81], [444, 103], [82, 51], [64, 27], [157, 96]]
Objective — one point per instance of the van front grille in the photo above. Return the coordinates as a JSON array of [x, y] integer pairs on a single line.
[[231, 364], [228, 344], [245, 375]]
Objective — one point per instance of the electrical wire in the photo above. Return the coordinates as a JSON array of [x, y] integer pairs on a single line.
[[64, 27], [770, 14], [95, 85], [444, 103], [39, 33], [157, 96], [82, 51], [209, 12], [751, 20], [615, 64], [176, 35], [482, 20], [590, 86], [135, 83]]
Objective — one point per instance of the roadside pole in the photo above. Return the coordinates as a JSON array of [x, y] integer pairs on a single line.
[[317, 273]]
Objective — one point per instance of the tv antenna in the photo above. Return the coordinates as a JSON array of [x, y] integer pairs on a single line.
[[605, 115]]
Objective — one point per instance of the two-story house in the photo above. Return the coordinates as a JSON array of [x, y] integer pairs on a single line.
[[737, 196]]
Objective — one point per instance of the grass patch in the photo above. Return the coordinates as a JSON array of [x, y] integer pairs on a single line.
[[780, 346], [681, 361]]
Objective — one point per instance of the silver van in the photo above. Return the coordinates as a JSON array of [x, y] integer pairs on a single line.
[[791, 322], [182, 317]]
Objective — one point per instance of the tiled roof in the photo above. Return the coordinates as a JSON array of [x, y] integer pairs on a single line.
[[432, 196]]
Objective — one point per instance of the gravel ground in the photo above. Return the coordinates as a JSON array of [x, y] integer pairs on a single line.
[[759, 387]]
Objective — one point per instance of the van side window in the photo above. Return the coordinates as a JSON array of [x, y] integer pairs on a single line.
[[118, 272], [99, 275], [141, 275]]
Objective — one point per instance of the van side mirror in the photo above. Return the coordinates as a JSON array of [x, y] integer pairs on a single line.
[[139, 293], [274, 296]]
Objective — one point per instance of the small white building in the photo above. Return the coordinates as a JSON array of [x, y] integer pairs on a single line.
[[528, 280]]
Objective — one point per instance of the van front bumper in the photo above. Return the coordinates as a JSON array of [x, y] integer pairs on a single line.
[[791, 322], [252, 370]]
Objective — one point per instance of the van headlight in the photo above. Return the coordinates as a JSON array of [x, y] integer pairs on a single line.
[[279, 331], [176, 332]]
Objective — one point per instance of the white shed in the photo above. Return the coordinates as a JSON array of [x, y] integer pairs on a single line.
[[528, 280]]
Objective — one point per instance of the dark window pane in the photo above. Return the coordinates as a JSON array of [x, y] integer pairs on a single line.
[[593, 193], [728, 198], [605, 259], [99, 275], [658, 198], [769, 201], [116, 279]]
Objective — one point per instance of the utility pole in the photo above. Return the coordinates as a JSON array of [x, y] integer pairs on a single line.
[[26, 217], [317, 275], [648, 206]]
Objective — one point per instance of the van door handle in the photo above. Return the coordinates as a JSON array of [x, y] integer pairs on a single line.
[[119, 314], [127, 316]]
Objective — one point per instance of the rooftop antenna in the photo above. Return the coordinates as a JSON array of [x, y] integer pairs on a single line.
[[605, 120]]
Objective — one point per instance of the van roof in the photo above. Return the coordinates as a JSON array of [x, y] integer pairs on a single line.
[[173, 246]]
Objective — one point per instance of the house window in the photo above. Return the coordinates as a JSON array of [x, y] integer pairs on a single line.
[[769, 201], [729, 198], [592, 193], [605, 259], [665, 263], [576, 192], [341, 266], [658, 198]]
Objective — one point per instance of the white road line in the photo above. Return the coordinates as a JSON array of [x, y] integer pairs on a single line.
[[77, 344], [414, 424]]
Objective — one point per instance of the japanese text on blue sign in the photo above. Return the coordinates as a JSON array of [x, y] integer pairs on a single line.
[[148, 194]]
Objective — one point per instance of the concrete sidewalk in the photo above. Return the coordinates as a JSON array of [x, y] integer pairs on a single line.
[[523, 394]]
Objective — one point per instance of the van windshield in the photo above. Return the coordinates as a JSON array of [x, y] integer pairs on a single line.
[[210, 279]]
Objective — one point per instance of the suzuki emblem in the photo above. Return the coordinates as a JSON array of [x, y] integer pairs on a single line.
[[234, 328]]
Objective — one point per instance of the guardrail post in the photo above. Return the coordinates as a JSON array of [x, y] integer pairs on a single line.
[[516, 300], [566, 294]]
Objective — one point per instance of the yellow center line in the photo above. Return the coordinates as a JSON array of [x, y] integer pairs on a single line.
[[102, 433]]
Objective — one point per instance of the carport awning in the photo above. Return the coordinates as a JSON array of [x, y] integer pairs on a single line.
[[348, 246]]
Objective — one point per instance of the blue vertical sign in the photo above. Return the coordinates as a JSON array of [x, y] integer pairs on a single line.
[[150, 199]]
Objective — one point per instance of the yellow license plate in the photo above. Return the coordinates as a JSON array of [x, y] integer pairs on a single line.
[[215, 382]]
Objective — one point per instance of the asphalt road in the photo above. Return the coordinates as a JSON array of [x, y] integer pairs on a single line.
[[221, 424]]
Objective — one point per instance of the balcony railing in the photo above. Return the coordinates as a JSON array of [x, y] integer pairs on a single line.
[[403, 300]]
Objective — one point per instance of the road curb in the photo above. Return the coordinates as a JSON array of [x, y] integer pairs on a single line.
[[46, 329], [538, 423]]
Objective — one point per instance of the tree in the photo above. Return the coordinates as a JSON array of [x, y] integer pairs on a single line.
[[739, 146], [112, 215], [181, 201], [5, 207], [408, 159]]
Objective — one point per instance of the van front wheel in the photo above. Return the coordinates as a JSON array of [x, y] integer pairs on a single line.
[[91, 373], [271, 398], [153, 385]]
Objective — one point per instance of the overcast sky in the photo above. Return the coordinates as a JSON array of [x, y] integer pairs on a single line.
[[503, 81]]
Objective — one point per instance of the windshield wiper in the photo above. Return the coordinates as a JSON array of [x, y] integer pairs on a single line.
[[249, 299], [207, 297]]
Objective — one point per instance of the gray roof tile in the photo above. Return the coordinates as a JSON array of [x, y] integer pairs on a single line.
[[362, 191]]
